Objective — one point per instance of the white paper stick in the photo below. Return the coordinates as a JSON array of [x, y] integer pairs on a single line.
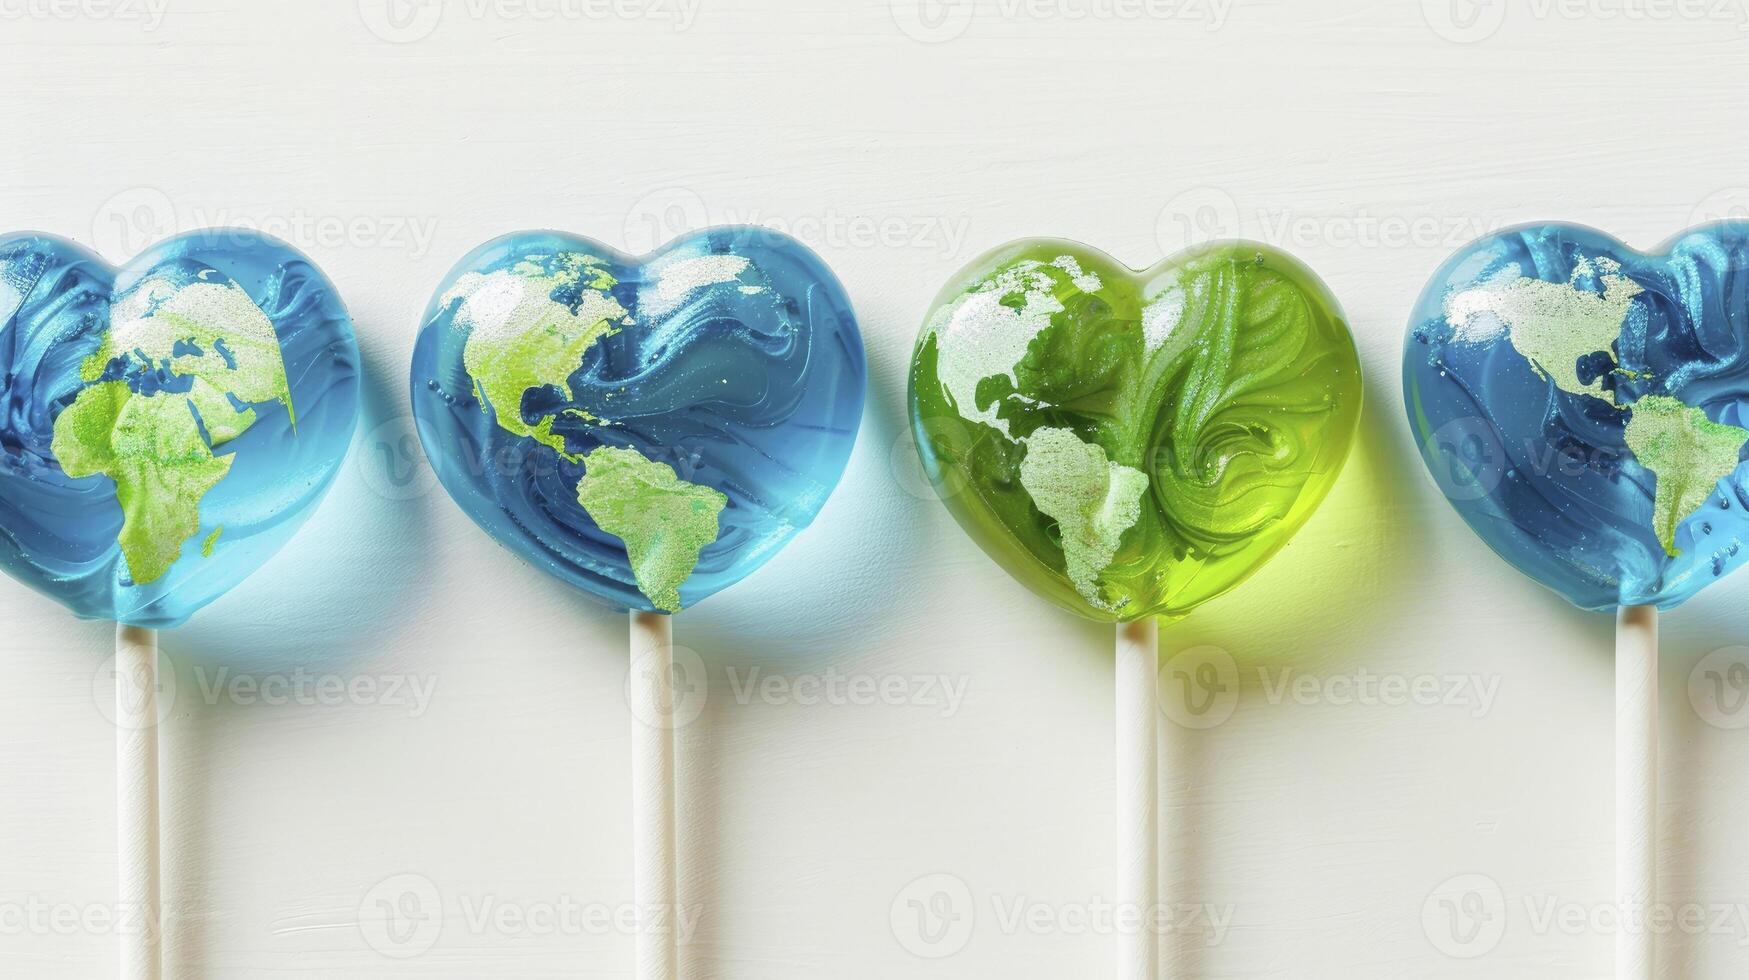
[[1636, 788], [136, 801], [1138, 950], [653, 819]]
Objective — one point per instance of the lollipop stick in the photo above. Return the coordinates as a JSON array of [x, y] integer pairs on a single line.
[[1138, 951], [136, 799], [1636, 787], [653, 861]]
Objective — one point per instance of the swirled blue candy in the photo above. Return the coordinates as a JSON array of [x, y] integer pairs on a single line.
[[649, 430], [164, 428], [1585, 407]]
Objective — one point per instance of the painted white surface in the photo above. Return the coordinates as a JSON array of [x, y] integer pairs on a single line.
[[382, 834]]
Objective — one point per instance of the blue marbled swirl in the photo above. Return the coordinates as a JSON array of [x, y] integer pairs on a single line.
[[751, 385], [1545, 474], [59, 534]]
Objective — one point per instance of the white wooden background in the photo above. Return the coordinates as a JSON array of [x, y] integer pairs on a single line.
[[398, 751]]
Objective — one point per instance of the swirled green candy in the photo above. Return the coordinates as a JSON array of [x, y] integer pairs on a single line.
[[1131, 444]]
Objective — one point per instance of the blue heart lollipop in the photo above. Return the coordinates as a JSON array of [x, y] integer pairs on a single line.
[[1586, 407], [649, 430], [166, 427]]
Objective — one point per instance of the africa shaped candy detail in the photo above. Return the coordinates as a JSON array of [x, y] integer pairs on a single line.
[[1133, 444], [649, 430], [166, 428], [1585, 407]]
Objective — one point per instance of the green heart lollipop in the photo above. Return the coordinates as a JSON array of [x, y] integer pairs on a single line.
[[1132, 444]]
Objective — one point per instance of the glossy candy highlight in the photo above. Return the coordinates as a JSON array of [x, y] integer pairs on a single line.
[[1134, 443], [650, 430], [164, 428], [1585, 406]]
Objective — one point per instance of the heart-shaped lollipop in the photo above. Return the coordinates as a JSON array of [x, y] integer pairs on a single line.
[[1132, 444], [166, 426], [1585, 406], [650, 430]]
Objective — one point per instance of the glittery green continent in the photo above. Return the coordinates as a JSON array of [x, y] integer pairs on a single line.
[[1134, 444], [1690, 454], [1555, 326], [664, 521], [159, 447], [520, 338]]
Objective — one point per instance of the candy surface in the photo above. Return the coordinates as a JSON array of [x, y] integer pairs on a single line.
[[166, 427], [1585, 407], [1132, 444], [650, 430]]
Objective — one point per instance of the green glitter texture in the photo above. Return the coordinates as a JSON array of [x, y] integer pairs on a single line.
[[664, 521], [152, 445]]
